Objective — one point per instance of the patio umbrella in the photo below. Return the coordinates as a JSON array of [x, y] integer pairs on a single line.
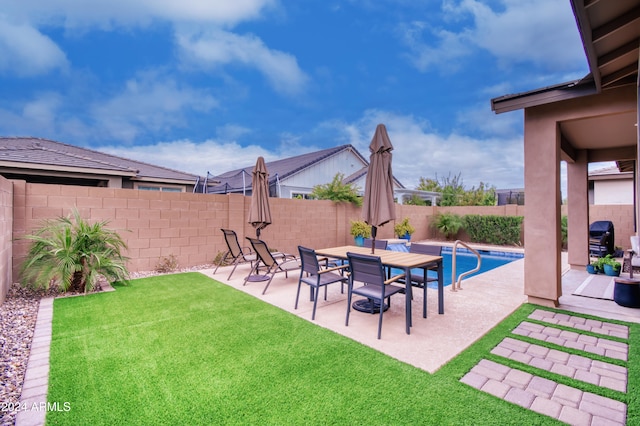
[[378, 206], [259, 212]]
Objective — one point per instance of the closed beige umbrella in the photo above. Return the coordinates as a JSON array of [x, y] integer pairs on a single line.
[[378, 205], [259, 212]]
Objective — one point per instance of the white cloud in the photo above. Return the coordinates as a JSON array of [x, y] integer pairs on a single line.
[[148, 103], [24, 51], [107, 13], [541, 32], [214, 48], [214, 156], [419, 151]]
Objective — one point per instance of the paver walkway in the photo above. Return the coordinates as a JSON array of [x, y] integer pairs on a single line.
[[544, 396]]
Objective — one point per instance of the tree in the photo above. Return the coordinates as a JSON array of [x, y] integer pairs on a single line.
[[74, 254], [454, 193], [337, 191]]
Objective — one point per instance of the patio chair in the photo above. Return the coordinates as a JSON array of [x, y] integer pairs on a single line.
[[433, 250], [235, 253], [268, 265], [369, 271], [380, 244], [312, 274]]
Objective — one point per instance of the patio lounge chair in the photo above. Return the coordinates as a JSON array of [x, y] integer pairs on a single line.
[[315, 276], [369, 271], [235, 253], [267, 265]]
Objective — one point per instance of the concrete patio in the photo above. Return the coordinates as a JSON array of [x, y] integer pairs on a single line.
[[483, 302]]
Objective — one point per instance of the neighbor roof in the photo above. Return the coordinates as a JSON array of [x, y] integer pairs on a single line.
[[44, 154], [233, 181]]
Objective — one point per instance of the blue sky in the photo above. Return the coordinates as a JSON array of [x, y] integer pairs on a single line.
[[209, 85]]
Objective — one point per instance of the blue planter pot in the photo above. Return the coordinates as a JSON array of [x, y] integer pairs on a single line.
[[608, 270], [359, 241], [406, 236], [592, 269]]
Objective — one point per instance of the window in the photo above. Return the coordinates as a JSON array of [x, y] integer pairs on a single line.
[[159, 188], [301, 196]]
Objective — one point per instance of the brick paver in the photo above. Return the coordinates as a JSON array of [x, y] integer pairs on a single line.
[[603, 374], [547, 397], [580, 323]]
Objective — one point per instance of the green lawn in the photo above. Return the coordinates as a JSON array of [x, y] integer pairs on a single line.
[[185, 349]]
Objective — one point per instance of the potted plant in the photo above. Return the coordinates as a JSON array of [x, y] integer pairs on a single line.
[[592, 268], [404, 229], [611, 266], [360, 230]]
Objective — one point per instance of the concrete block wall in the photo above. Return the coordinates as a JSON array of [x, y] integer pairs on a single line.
[[623, 219], [6, 234], [156, 225]]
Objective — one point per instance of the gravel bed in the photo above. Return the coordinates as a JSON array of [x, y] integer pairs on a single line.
[[18, 316]]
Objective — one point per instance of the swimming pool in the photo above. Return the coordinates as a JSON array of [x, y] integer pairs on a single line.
[[465, 261]]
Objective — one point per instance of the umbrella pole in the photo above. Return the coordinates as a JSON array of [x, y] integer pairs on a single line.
[[374, 231]]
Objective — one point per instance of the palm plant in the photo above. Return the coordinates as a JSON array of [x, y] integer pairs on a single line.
[[74, 254], [448, 223]]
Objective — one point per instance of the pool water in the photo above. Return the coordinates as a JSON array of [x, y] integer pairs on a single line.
[[465, 261]]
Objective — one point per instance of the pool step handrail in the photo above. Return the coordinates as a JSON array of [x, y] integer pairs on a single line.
[[456, 283]]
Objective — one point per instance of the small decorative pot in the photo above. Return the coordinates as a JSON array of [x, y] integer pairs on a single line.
[[610, 271], [406, 236], [359, 240], [592, 269]]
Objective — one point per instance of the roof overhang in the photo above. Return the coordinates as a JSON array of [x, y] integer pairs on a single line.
[[19, 167]]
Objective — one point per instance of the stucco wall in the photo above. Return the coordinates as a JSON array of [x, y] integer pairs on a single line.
[[6, 233]]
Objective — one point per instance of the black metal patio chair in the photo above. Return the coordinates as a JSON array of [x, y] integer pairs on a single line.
[[312, 274], [369, 271]]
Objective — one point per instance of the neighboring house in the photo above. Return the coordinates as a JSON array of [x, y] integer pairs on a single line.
[[610, 186], [295, 177], [38, 160]]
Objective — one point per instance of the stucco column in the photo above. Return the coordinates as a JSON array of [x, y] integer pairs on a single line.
[[542, 272], [578, 208]]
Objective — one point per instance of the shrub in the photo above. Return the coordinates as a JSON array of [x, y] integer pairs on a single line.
[[337, 191], [404, 227], [74, 254], [448, 223], [500, 230], [360, 228], [167, 264]]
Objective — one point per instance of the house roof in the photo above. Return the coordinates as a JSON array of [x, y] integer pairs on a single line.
[[610, 173], [44, 154], [239, 179]]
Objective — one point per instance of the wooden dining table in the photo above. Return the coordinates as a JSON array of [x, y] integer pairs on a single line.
[[400, 260]]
